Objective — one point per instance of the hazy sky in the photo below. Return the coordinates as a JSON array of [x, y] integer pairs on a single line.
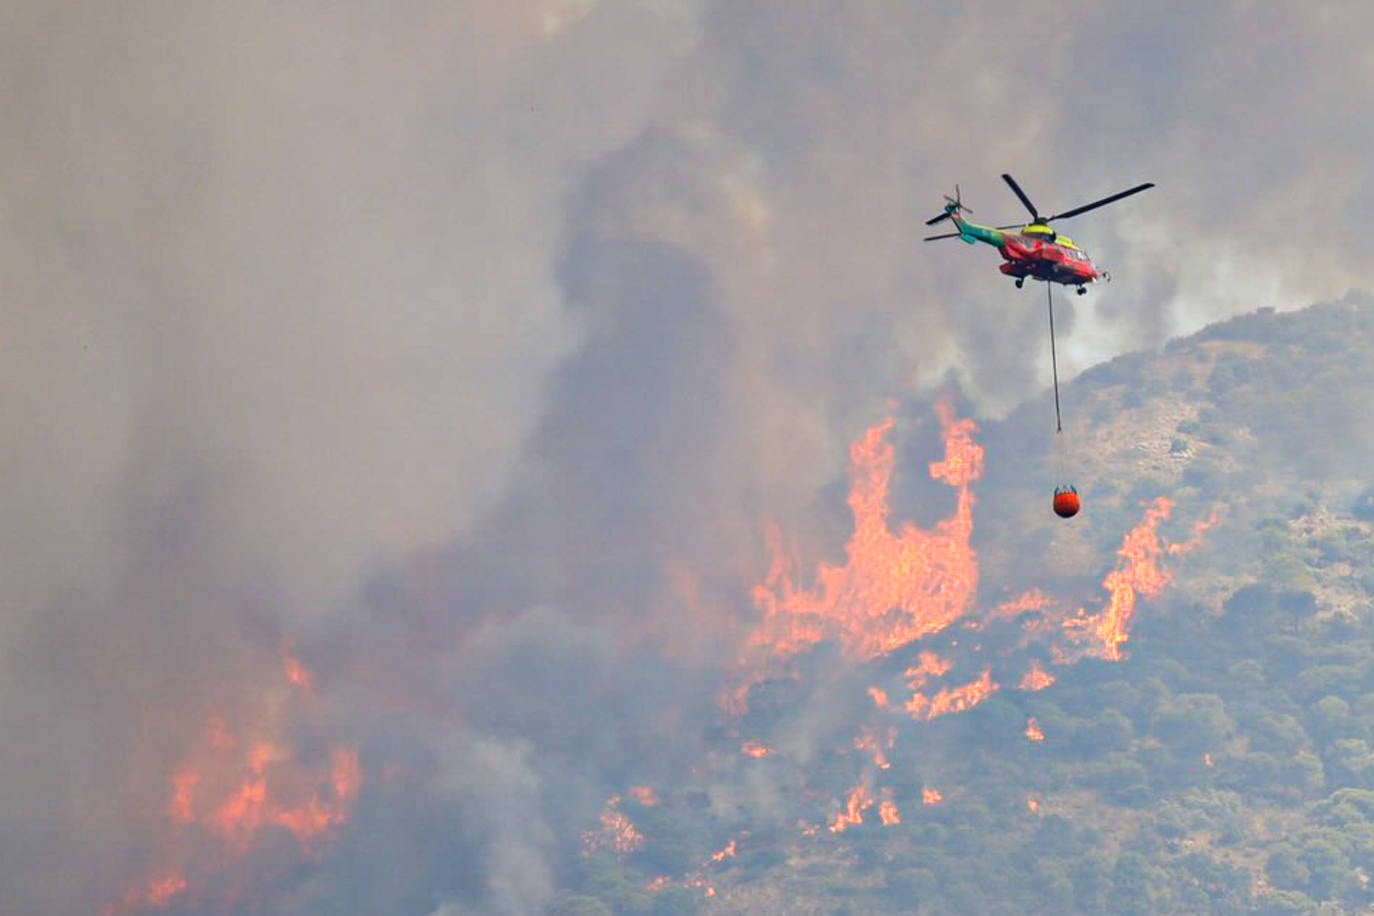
[[454, 341]]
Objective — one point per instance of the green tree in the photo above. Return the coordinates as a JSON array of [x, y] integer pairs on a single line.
[[1137, 886], [1286, 869], [1194, 723], [677, 901], [579, 905], [1350, 763]]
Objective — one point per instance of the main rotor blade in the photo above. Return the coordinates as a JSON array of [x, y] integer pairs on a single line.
[[1012, 226], [941, 218], [947, 235], [1101, 203], [1021, 194]]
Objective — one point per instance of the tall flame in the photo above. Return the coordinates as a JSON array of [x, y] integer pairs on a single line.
[[1137, 574], [860, 800], [900, 585], [894, 588]]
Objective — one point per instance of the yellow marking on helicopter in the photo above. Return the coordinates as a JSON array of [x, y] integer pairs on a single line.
[[1049, 233]]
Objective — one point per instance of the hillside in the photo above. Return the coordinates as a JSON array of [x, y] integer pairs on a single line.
[[1224, 763]]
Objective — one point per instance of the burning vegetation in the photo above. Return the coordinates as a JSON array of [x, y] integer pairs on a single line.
[[906, 594], [238, 784]]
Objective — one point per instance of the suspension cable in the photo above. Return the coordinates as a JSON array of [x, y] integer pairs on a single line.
[[1054, 360]]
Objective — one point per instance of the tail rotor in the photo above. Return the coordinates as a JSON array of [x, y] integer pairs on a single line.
[[953, 205]]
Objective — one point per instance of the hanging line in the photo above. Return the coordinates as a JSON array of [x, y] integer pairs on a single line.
[[1054, 360]]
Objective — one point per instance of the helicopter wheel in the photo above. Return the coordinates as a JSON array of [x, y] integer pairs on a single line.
[[1082, 290], [1020, 282]]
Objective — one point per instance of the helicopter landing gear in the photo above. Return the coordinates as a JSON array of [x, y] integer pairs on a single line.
[[1082, 290], [1020, 282]]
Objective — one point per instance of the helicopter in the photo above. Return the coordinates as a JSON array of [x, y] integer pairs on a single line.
[[1034, 250]]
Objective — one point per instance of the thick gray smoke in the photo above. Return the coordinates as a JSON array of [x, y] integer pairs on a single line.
[[466, 346]]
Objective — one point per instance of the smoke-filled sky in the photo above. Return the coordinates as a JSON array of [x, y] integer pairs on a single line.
[[460, 348]]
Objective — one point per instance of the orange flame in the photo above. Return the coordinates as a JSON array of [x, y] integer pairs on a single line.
[[158, 894], [754, 749], [879, 696], [162, 890], [1037, 678], [1195, 539], [887, 810], [931, 796], [1032, 600], [859, 801], [894, 588], [1033, 805], [1207, 760], [297, 675], [232, 787], [868, 741], [252, 808], [952, 699], [183, 787], [726, 853], [1137, 573], [1033, 731], [928, 665], [645, 795]]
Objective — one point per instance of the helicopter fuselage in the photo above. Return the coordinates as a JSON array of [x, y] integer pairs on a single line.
[[1035, 251], [1052, 261]]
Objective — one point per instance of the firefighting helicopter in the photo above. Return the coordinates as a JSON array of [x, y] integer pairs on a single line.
[[1035, 250]]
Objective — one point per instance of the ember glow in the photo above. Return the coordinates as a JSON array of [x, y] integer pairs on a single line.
[[644, 795], [1033, 731], [158, 894], [1037, 678], [617, 833], [876, 747], [1033, 600], [296, 674], [928, 665], [931, 796]]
